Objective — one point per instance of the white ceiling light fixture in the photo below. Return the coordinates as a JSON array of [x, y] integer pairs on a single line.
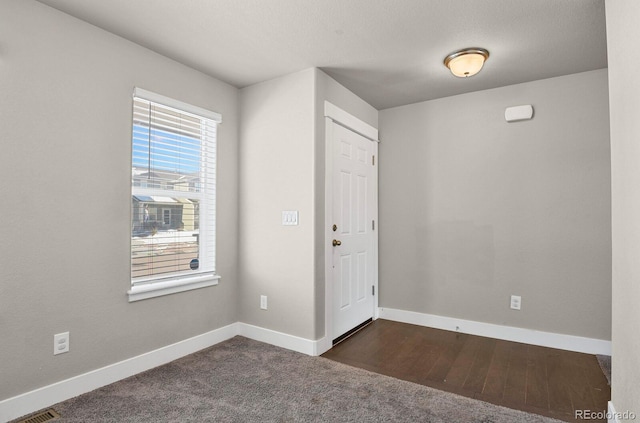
[[466, 62]]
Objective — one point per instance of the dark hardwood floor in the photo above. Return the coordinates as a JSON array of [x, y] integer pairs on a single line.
[[530, 378]]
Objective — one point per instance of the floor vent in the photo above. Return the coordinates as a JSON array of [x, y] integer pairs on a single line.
[[45, 416]]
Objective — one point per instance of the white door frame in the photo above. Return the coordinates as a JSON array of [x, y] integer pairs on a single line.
[[334, 114]]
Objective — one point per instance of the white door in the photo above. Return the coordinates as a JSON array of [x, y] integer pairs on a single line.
[[354, 206]]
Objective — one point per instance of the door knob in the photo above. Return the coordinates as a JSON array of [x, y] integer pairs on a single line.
[[336, 242]]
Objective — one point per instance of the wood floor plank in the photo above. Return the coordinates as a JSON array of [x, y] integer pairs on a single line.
[[400, 360], [480, 368], [462, 364], [515, 387], [536, 386], [497, 373], [578, 386], [534, 379], [441, 368], [598, 386], [557, 383], [427, 356]]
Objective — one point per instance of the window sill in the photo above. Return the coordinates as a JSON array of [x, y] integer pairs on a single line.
[[157, 289]]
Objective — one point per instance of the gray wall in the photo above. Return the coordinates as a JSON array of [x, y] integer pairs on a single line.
[[65, 128], [624, 100], [474, 209], [276, 174], [282, 168]]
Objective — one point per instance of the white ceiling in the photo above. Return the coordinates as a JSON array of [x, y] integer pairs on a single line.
[[389, 52]]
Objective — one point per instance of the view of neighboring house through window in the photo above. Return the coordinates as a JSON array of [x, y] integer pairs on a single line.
[[173, 191]]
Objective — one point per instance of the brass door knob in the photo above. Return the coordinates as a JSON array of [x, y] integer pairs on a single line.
[[336, 242]]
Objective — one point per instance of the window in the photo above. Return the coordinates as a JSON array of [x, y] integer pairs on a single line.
[[166, 217], [172, 196]]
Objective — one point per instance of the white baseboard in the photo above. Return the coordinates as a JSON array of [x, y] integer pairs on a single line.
[[29, 402], [612, 417], [509, 333], [324, 345], [26, 403], [279, 339], [40, 398]]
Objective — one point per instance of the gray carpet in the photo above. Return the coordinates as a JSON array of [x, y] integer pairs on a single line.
[[241, 380]]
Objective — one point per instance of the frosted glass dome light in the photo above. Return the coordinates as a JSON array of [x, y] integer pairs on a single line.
[[467, 62]]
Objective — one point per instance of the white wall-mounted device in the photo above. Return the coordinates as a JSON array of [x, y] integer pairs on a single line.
[[60, 343], [516, 302], [517, 113], [290, 217]]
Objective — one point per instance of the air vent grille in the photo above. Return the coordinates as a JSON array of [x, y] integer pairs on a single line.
[[45, 416]]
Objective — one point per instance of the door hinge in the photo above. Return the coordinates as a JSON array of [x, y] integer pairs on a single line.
[[373, 290], [373, 225], [373, 160]]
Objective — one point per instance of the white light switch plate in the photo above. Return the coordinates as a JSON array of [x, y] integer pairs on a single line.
[[290, 217]]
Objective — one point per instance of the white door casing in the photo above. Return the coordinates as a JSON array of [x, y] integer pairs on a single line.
[[351, 268]]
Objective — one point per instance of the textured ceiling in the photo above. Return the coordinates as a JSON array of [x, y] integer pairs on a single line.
[[389, 52]]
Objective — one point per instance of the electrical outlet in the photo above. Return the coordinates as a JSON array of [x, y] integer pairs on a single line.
[[516, 302], [60, 343], [263, 302]]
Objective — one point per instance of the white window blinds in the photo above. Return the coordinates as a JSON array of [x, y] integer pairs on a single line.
[[173, 190]]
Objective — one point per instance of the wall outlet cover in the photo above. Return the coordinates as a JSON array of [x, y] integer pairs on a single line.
[[60, 343], [516, 302], [263, 302]]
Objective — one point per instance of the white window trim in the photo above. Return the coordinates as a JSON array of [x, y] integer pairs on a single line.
[[174, 284], [176, 104], [171, 286]]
